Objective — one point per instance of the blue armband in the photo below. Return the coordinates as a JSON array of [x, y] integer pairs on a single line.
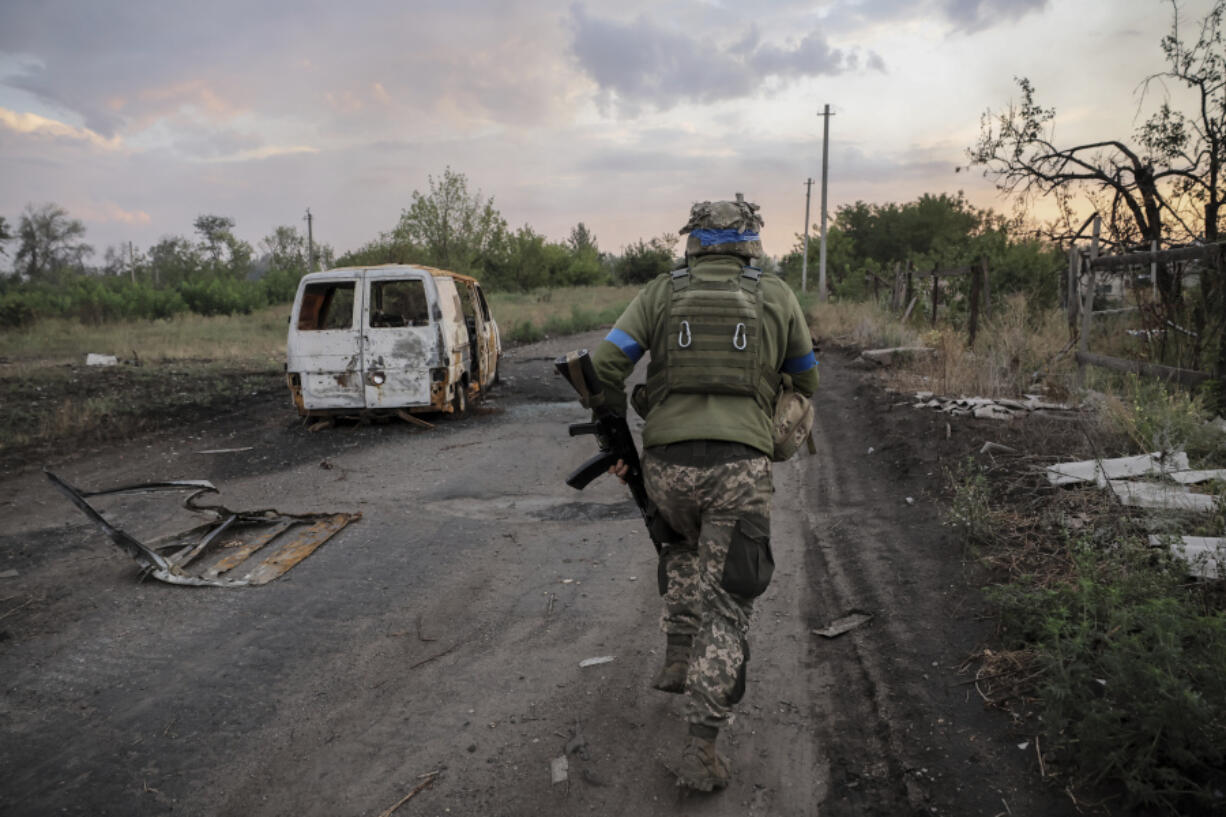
[[629, 346], [796, 365]]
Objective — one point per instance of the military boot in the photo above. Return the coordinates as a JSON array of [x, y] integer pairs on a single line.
[[671, 677], [701, 767]]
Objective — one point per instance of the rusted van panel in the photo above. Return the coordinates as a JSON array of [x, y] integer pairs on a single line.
[[389, 337]]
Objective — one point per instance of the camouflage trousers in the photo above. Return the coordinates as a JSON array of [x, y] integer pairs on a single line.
[[717, 508]]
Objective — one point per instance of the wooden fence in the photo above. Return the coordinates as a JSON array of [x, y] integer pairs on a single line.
[[903, 295], [1082, 283]]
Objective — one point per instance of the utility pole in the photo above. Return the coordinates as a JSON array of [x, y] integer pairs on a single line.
[[821, 267], [308, 218], [131, 264], [804, 262]]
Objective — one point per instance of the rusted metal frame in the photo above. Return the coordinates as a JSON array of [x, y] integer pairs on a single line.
[[185, 556], [144, 555], [170, 569]]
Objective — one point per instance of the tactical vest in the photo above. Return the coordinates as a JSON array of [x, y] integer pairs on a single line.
[[713, 341]]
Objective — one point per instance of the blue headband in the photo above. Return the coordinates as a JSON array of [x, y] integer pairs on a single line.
[[709, 237]]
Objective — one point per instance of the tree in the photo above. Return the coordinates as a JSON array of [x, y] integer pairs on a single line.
[[1168, 187], [6, 235], [451, 227], [50, 242], [174, 260], [581, 240], [216, 231], [286, 249], [644, 260]]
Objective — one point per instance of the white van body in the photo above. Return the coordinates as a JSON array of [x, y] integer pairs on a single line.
[[391, 337]]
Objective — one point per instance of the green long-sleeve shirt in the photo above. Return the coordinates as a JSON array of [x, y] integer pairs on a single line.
[[786, 346]]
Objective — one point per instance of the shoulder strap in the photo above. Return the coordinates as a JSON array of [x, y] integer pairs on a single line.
[[750, 278]]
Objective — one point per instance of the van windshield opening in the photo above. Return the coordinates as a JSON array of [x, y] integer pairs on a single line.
[[326, 305], [399, 303]]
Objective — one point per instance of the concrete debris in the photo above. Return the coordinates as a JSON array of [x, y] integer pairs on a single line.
[[9, 574], [845, 624], [1165, 490], [591, 662], [1099, 471], [885, 357], [558, 768], [1001, 408], [1205, 555], [92, 359], [1162, 497], [1194, 477]]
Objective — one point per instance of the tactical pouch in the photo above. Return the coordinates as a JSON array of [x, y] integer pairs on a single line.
[[750, 564]]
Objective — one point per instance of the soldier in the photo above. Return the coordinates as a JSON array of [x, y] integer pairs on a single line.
[[722, 337]]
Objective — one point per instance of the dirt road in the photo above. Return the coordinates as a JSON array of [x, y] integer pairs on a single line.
[[444, 632]]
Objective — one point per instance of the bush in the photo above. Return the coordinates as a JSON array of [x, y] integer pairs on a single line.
[[222, 296], [1133, 663]]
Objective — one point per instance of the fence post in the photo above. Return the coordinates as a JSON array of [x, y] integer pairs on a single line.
[[987, 287], [910, 286], [1072, 291], [935, 294], [973, 323], [1087, 307], [1220, 271]]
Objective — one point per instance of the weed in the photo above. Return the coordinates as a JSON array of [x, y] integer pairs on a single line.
[[970, 511], [1132, 662], [1158, 417]]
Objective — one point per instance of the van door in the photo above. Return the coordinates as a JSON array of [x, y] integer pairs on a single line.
[[453, 329], [324, 347], [400, 342], [489, 339], [475, 322]]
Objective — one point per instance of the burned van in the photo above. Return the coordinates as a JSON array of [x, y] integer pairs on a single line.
[[368, 339]]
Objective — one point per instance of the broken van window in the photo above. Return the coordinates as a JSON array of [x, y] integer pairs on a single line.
[[399, 303], [326, 305]]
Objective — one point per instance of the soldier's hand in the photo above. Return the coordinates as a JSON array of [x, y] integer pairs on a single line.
[[620, 470]]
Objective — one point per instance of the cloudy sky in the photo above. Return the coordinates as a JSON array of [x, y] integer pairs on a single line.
[[139, 115]]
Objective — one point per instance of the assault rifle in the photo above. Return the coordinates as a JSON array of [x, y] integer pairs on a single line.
[[613, 436]]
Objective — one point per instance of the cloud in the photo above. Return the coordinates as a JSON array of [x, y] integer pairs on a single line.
[[977, 15], [109, 211], [641, 63], [266, 152], [968, 16], [33, 124]]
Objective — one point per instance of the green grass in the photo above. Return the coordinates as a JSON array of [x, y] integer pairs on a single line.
[[1133, 662], [258, 336], [1118, 657], [525, 317]]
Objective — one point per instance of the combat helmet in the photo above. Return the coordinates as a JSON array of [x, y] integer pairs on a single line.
[[724, 227]]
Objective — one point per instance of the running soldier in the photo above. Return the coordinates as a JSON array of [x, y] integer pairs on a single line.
[[723, 338]]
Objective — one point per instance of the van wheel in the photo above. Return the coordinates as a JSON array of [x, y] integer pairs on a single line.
[[459, 403]]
